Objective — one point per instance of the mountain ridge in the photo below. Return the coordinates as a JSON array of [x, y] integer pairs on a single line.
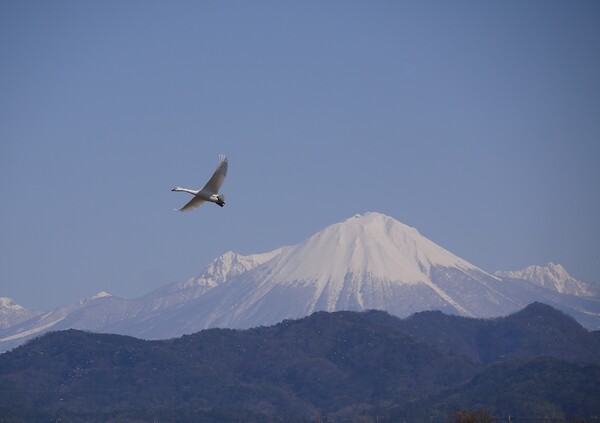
[[340, 365]]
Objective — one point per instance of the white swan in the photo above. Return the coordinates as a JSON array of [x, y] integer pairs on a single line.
[[210, 192]]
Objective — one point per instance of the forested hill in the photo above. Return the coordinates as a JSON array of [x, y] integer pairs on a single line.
[[537, 362]]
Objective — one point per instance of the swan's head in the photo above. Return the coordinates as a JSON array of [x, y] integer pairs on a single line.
[[176, 189]]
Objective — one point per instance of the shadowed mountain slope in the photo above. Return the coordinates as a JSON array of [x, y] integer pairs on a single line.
[[340, 364]]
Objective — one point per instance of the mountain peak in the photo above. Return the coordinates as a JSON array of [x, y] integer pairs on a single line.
[[376, 218], [101, 294], [225, 267], [552, 276], [376, 244], [7, 303], [12, 313]]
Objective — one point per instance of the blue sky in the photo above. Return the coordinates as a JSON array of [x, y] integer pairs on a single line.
[[476, 122]]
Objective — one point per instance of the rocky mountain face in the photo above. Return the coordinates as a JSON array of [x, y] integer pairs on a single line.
[[553, 277], [12, 313], [369, 261]]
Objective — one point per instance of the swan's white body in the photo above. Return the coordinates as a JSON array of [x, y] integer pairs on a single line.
[[210, 191]]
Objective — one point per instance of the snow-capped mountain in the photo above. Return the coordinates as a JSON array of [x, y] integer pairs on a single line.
[[554, 277], [365, 262], [370, 261], [12, 313]]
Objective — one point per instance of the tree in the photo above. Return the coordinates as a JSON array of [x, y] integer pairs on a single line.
[[472, 416]]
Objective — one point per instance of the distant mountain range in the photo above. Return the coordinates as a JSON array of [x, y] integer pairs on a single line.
[[369, 261], [342, 366]]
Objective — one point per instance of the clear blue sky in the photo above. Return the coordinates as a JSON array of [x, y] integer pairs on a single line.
[[476, 122]]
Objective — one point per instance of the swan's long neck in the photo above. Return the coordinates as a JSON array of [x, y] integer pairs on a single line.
[[189, 191]]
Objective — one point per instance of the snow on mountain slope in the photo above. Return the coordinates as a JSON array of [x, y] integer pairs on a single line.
[[554, 277], [350, 264], [12, 313], [219, 271], [96, 314], [106, 313], [227, 266], [372, 244]]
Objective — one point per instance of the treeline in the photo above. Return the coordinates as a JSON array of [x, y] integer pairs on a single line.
[[336, 367]]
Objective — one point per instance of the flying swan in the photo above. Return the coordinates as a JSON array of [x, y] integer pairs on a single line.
[[210, 192]]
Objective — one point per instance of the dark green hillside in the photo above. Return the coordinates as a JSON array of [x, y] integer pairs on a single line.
[[321, 364], [537, 330], [341, 365], [448, 332], [543, 387]]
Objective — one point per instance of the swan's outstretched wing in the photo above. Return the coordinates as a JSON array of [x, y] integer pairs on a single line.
[[192, 204], [215, 182]]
